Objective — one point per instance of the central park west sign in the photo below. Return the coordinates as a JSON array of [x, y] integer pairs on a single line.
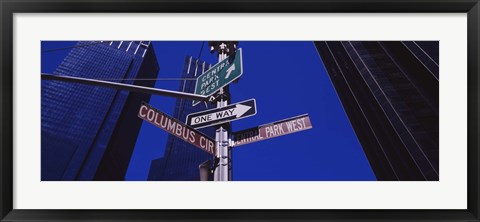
[[220, 75]]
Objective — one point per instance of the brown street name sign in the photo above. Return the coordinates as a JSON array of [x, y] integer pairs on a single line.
[[271, 130], [176, 128]]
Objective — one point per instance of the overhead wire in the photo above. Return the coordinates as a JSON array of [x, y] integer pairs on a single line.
[[149, 79], [171, 141], [135, 79], [140, 79], [201, 49]]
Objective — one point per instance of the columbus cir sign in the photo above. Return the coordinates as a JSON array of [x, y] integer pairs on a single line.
[[176, 128]]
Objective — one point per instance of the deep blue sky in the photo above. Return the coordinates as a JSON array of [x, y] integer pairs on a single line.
[[286, 79]]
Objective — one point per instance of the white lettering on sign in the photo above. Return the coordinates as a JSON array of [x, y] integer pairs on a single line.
[[281, 128], [247, 136], [219, 75], [296, 125], [226, 113], [236, 111], [176, 128], [210, 80], [271, 130], [142, 111]]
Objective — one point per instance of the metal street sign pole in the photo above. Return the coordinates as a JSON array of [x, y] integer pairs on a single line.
[[221, 172], [221, 136]]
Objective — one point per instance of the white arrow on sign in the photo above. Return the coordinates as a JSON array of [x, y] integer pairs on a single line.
[[225, 114], [238, 111], [241, 109], [230, 70]]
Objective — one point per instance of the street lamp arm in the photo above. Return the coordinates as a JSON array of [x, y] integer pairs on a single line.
[[123, 86]]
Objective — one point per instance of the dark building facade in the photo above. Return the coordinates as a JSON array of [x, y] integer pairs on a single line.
[[89, 132], [390, 92], [181, 160]]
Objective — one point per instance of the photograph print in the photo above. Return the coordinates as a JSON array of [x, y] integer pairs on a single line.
[[240, 110]]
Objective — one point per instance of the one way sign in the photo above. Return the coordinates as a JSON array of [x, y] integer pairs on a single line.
[[222, 115]]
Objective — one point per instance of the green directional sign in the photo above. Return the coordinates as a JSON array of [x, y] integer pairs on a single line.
[[220, 75]]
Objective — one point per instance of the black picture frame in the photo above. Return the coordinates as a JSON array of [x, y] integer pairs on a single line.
[[9, 7]]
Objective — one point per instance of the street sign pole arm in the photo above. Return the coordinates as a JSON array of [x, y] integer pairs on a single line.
[[123, 86]]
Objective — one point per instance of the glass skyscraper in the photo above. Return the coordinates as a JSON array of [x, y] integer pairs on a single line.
[[390, 92], [181, 160], [89, 132]]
